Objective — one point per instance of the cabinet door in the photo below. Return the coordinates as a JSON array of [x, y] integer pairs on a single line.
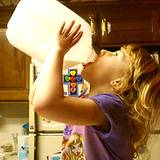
[[159, 23], [14, 71], [89, 14], [128, 24]]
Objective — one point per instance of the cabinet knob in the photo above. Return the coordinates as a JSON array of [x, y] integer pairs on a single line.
[[105, 27], [92, 22]]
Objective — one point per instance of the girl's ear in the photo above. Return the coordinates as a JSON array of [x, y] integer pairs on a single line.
[[116, 84]]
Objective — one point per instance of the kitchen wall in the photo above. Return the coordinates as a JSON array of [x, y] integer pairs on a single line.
[[12, 117]]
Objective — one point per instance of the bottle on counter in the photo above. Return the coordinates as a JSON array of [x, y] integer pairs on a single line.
[[23, 147]]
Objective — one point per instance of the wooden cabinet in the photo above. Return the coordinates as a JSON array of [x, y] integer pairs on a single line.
[[128, 24], [118, 23], [158, 22], [14, 67]]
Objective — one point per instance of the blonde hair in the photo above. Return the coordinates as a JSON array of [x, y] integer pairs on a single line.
[[141, 95]]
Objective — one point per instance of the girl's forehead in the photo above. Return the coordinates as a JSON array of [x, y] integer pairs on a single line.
[[126, 54]]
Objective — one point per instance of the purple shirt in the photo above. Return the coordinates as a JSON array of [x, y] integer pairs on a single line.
[[91, 143]]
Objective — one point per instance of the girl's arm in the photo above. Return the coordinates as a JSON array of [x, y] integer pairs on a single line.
[[48, 95]]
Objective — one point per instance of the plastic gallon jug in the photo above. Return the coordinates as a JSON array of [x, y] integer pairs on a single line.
[[34, 25]]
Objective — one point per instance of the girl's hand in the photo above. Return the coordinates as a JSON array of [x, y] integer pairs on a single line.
[[66, 38]]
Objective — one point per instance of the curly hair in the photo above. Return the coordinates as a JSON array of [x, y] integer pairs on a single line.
[[141, 95]]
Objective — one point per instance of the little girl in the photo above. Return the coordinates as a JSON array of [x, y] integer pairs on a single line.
[[116, 118]]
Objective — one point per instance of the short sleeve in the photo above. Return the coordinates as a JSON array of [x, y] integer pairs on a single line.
[[119, 133]]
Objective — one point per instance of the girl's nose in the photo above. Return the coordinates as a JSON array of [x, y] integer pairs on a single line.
[[103, 52]]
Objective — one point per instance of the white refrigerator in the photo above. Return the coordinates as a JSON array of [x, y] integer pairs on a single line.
[[45, 136]]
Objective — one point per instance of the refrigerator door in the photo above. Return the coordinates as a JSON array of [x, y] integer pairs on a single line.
[[73, 86], [44, 125], [48, 145], [37, 123]]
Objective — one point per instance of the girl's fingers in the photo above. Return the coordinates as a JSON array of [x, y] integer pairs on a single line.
[[61, 28], [68, 29], [72, 34], [77, 38]]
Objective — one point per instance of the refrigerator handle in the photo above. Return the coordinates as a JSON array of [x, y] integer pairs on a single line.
[[31, 110], [32, 146]]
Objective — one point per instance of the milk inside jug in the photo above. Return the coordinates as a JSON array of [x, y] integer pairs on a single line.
[[34, 25]]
